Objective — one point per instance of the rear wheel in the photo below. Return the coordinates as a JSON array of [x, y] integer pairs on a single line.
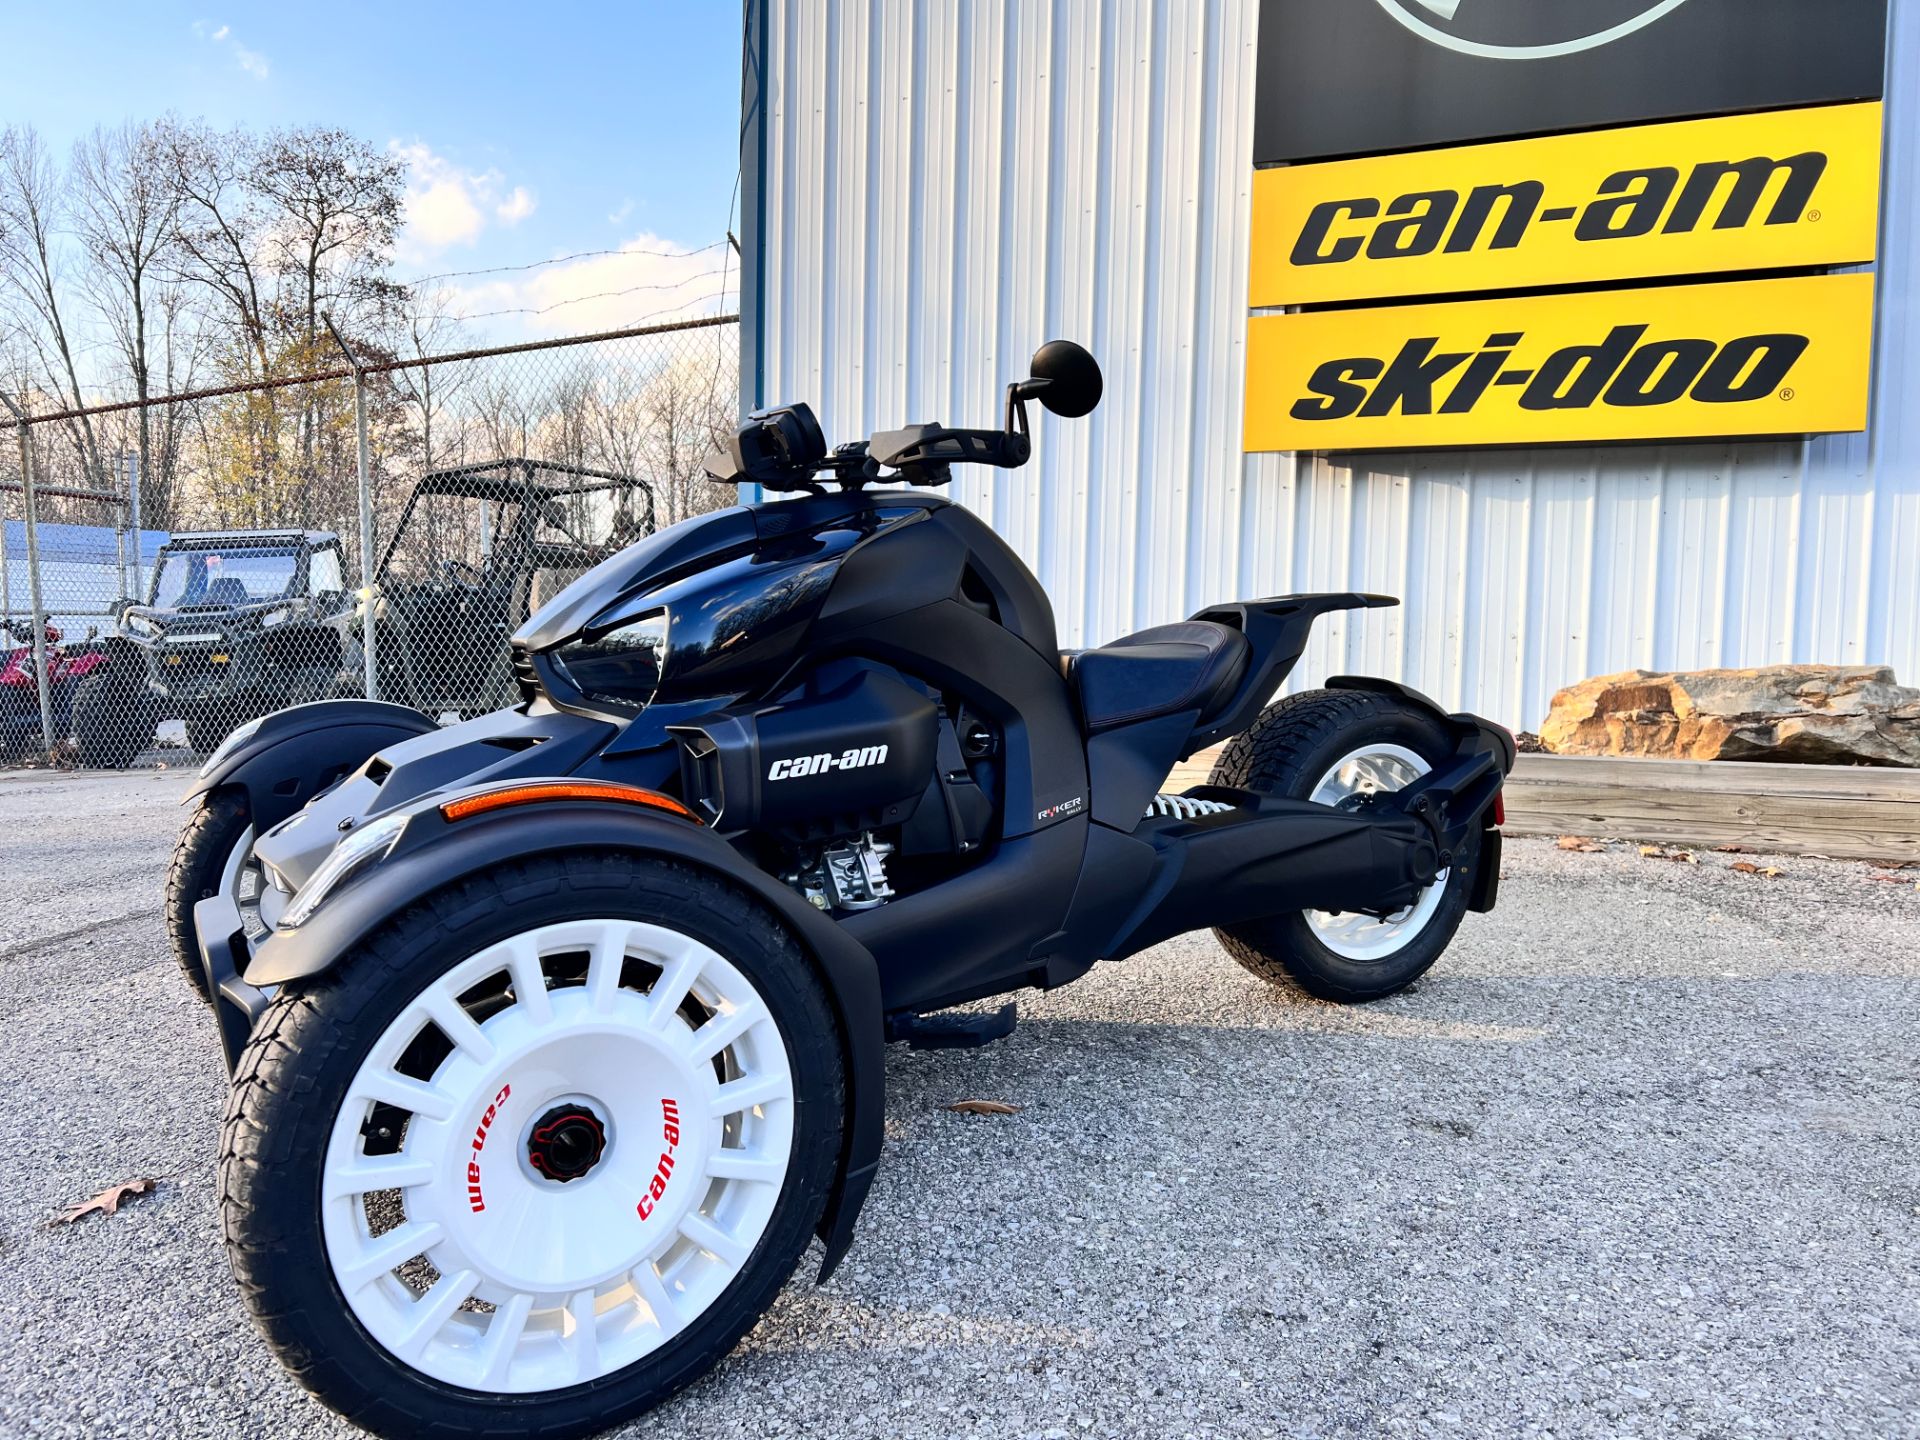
[[536, 1155], [1339, 747]]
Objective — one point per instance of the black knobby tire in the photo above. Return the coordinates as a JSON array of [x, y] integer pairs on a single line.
[[1287, 751], [300, 1062], [114, 717], [199, 861]]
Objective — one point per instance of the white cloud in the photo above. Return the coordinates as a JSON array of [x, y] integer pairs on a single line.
[[450, 206], [647, 279], [251, 61], [516, 207], [622, 212]]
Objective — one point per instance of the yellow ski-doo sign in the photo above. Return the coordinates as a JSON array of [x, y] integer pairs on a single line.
[[1755, 357], [1774, 191]]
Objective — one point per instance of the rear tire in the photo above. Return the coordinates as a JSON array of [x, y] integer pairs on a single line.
[[1316, 745], [535, 1306]]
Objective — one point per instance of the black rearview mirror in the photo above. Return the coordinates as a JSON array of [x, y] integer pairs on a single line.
[[1073, 385]]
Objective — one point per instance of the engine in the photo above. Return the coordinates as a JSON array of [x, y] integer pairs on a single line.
[[858, 766]]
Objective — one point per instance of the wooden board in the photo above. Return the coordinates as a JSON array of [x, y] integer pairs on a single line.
[[1853, 812]]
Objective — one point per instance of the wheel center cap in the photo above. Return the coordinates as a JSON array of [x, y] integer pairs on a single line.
[[566, 1142]]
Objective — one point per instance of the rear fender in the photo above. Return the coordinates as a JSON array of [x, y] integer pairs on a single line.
[[1475, 737], [433, 853], [295, 754]]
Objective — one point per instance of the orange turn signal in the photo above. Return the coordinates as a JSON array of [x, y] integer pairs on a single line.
[[535, 792]]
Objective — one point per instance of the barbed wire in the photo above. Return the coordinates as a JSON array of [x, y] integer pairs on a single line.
[[381, 367], [562, 260]]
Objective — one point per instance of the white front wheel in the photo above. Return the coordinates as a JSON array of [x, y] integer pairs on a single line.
[[582, 1146]]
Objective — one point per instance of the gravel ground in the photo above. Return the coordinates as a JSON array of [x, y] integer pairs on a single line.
[[1637, 1159]]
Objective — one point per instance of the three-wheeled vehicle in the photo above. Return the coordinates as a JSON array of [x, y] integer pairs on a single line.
[[557, 1034]]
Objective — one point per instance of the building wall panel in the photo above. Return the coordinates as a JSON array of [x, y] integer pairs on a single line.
[[950, 182]]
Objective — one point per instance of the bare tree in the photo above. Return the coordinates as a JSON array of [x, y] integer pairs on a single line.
[[126, 201], [32, 211]]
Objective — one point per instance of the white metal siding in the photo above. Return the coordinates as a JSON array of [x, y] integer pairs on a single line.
[[948, 184]]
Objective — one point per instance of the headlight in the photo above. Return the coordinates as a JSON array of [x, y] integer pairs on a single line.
[[621, 665], [364, 847], [140, 624], [276, 617], [235, 739]]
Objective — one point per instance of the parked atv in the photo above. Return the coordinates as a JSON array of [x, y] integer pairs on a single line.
[[559, 1032], [477, 550], [68, 669], [239, 623]]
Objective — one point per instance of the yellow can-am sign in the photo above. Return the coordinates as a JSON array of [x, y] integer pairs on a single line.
[[1756, 357], [1782, 190]]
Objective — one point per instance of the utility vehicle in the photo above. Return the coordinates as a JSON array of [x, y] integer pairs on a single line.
[[557, 1034], [236, 623], [477, 550]]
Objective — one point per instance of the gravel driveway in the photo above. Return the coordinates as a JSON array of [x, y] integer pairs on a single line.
[[1641, 1157]]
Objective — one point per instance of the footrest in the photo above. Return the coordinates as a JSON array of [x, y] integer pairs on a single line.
[[953, 1029]]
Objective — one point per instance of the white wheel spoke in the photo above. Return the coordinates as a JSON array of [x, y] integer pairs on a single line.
[[377, 1172], [1379, 769], [653, 1290], [712, 1239], [509, 1323], [452, 1020], [604, 964], [583, 1335], [744, 1094], [722, 1030], [432, 1310], [529, 980], [500, 1227], [396, 1247], [385, 1087], [724, 1164], [675, 982]]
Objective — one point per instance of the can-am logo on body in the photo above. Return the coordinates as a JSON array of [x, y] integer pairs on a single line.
[[1526, 29], [859, 757]]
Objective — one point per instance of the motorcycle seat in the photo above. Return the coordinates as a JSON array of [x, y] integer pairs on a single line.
[[1192, 665]]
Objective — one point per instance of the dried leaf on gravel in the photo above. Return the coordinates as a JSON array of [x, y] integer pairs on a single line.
[[1580, 843], [107, 1202], [1733, 850], [1747, 867], [1661, 852], [982, 1107]]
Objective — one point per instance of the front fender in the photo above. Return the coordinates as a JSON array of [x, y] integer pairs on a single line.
[[295, 754], [433, 853]]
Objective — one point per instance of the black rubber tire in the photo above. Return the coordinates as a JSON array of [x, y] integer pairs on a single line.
[[1293, 743], [313, 1037], [114, 719], [199, 860]]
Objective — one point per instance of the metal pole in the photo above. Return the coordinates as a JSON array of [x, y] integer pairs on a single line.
[[33, 578], [139, 591], [370, 601]]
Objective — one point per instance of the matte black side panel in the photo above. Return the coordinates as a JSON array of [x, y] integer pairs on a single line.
[[297, 753], [973, 935], [442, 854]]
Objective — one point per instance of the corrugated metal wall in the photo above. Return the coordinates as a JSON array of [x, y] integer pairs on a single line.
[[945, 185]]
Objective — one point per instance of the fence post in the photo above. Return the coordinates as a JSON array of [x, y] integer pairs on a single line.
[[33, 576], [137, 592], [369, 627]]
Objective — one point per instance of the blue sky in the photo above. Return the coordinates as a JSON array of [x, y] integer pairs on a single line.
[[534, 131]]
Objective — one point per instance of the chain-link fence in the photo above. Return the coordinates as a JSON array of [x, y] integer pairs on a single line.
[[173, 568]]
